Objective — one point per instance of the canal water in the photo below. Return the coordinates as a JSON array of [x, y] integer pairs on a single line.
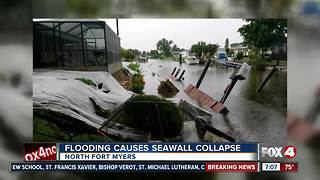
[[252, 117]]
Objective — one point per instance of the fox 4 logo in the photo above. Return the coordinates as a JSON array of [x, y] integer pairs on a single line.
[[278, 152]]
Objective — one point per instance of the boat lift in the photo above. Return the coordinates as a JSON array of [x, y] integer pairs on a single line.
[[205, 100]]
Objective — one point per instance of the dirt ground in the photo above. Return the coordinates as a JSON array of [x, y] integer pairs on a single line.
[[123, 77]]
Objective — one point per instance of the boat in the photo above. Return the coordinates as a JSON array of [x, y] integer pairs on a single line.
[[191, 59], [222, 56], [143, 59]]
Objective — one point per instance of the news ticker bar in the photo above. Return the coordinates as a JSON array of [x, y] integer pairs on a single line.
[[141, 152], [153, 166]]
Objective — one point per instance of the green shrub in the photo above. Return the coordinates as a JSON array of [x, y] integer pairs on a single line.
[[141, 113], [136, 84], [86, 81], [259, 63], [239, 55], [134, 67]]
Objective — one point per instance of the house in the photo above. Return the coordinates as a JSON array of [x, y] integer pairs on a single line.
[[239, 47], [76, 45], [185, 53]]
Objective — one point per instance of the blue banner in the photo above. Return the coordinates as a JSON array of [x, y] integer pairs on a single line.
[[158, 147], [110, 166]]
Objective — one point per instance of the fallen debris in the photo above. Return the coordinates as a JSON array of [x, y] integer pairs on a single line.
[[167, 89], [202, 122], [123, 76], [204, 100]]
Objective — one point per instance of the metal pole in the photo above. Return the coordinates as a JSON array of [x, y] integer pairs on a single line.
[[203, 73], [105, 45], [82, 40], [266, 79], [117, 26], [55, 44], [61, 46]]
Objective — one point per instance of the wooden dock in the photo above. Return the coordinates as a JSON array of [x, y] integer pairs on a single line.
[[227, 63]]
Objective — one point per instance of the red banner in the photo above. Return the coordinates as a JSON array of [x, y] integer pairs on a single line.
[[289, 167], [40, 151], [232, 167]]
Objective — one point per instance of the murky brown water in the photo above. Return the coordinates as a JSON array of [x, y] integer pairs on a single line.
[[252, 117]]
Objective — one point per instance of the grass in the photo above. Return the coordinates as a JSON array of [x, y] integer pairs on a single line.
[[87, 81], [45, 131]]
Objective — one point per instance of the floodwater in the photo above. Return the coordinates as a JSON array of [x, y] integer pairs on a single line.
[[253, 117]]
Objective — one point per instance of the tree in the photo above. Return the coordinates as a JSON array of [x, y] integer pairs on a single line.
[[164, 46], [212, 49], [123, 53], [129, 54], [239, 55], [262, 34], [175, 48], [198, 48], [136, 52], [204, 48], [155, 54], [144, 54], [226, 46]]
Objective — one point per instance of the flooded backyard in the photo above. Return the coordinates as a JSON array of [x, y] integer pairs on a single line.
[[252, 117]]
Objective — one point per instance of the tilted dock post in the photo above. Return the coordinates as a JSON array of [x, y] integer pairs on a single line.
[[203, 73], [208, 127], [174, 70], [225, 96], [181, 75], [177, 73], [266, 79], [240, 74]]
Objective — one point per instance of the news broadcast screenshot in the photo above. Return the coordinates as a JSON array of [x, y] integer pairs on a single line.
[[159, 95], [111, 89]]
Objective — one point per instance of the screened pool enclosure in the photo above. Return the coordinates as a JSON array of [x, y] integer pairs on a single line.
[[75, 45]]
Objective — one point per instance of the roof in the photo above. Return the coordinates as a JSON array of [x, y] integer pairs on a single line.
[[91, 28], [68, 20]]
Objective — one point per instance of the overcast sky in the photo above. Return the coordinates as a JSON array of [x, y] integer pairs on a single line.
[[143, 34]]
